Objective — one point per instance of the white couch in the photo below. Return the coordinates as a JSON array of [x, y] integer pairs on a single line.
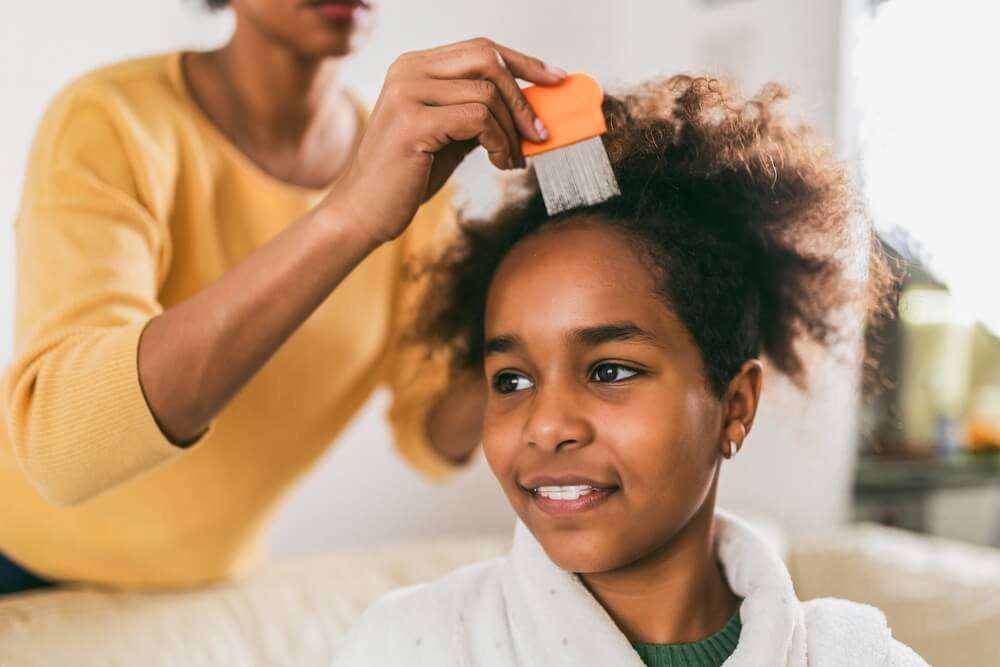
[[942, 598]]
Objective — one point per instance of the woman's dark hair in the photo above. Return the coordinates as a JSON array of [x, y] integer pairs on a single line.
[[750, 225], [216, 4]]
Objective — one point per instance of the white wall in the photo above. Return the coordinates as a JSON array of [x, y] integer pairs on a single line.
[[801, 447]]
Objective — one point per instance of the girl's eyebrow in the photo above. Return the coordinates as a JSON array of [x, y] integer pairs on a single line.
[[498, 344], [613, 331], [587, 336]]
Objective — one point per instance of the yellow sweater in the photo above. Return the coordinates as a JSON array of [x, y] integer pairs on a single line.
[[134, 201]]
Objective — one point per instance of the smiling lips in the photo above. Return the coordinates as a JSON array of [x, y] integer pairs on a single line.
[[557, 496], [564, 492]]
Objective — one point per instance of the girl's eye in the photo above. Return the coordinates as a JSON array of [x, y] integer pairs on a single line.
[[508, 383], [611, 373]]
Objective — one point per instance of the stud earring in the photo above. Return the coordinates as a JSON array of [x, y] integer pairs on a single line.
[[731, 449]]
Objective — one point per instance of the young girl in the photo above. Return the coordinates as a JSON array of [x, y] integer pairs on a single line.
[[622, 344]]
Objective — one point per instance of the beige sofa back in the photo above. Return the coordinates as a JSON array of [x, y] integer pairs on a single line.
[[941, 598]]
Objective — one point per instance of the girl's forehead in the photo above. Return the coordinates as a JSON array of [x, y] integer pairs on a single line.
[[585, 240], [573, 274]]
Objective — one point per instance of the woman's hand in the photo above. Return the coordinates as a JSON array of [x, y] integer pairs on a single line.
[[455, 421], [435, 107]]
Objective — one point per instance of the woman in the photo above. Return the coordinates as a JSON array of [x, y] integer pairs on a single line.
[[199, 314], [622, 343]]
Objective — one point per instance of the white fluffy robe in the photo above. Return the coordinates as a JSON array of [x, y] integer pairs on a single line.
[[525, 611]]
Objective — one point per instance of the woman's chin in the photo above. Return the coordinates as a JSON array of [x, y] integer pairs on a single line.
[[333, 43], [332, 48]]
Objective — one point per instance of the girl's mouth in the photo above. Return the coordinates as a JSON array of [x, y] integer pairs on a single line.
[[570, 499]]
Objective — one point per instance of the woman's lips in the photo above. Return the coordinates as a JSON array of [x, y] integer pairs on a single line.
[[337, 11]]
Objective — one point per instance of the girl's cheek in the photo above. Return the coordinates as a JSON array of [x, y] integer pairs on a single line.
[[500, 444]]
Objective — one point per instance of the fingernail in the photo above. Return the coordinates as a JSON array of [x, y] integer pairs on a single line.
[[543, 133], [556, 71]]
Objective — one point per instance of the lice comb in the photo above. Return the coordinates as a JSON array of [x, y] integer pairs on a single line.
[[572, 165]]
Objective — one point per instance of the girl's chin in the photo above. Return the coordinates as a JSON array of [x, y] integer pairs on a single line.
[[586, 567], [582, 555]]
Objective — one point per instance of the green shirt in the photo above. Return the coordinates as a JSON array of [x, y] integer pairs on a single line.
[[709, 652]]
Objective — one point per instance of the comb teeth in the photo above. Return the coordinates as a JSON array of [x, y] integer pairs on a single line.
[[576, 175]]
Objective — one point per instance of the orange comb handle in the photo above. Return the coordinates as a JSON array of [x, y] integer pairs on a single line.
[[571, 111]]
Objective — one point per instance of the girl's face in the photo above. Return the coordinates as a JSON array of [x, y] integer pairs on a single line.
[[599, 424], [314, 28]]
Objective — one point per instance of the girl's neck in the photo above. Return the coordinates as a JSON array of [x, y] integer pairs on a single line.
[[677, 594]]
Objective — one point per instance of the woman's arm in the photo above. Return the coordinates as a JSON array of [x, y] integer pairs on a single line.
[[194, 357], [101, 372], [434, 108]]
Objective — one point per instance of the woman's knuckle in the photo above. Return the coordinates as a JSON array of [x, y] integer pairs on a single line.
[[488, 90], [489, 57], [395, 91], [479, 113]]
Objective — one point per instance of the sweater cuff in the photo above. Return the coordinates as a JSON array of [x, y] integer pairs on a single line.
[[126, 441], [92, 429]]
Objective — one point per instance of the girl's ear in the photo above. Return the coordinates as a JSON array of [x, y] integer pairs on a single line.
[[740, 404]]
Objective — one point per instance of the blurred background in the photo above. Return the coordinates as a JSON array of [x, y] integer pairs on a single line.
[[901, 88]]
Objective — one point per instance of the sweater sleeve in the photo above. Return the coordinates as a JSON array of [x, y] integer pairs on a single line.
[[90, 257], [417, 376]]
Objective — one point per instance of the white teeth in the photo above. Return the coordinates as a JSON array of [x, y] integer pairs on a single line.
[[564, 492]]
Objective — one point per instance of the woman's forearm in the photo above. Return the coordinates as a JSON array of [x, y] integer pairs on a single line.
[[195, 356]]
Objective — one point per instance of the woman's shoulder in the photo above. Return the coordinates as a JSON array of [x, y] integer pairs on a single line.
[[133, 80], [140, 92], [425, 619], [139, 99], [120, 119]]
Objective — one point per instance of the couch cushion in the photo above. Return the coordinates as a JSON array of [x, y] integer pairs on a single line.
[[288, 613]]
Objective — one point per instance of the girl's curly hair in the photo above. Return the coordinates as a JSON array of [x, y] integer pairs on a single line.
[[754, 237]]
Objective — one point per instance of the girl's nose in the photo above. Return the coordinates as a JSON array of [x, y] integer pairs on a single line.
[[556, 420]]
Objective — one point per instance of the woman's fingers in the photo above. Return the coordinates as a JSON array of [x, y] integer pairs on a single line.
[[520, 64], [481, 59], [435, 106], [461, 122], [530, 68], [485, 62], [439, 93]]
